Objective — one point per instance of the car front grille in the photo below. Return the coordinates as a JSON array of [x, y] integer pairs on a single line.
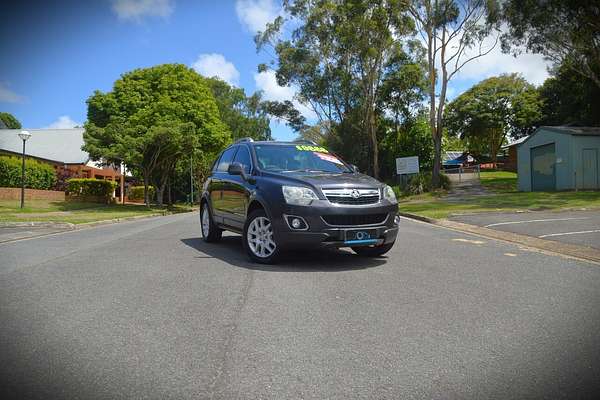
[[354, 220], [353, 197]]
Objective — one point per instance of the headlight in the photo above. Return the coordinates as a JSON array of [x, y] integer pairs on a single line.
[[389, 195], [298, 195]]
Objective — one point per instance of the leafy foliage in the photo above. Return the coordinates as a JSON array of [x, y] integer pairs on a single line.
[[338, 55], [151, 119], [570, 99], [9, 121], [137, 192], [492, 109], [564, 31], [245, 116], [85, 187], [422, 183], [38, 175]]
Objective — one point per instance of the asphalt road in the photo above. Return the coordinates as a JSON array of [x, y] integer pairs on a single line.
[[144, 309], [575, 227]]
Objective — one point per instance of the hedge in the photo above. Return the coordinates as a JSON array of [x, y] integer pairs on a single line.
[[89, 187], [38, 175], [137, 192], [421, 183]]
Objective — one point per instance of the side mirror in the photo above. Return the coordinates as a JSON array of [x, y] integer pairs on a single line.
[[354, 168], [235, 169]]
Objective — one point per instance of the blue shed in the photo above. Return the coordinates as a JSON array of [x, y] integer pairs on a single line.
[[559, 158]]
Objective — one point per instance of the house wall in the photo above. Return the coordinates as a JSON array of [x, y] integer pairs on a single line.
[[579, 143], [564, 159]]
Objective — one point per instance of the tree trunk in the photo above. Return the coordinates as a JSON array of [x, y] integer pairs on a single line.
[[373, 134], [169, 197], [160, 189], [146, 194], [437, 161]]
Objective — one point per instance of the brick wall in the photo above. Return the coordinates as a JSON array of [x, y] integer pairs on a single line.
[[31, 194]]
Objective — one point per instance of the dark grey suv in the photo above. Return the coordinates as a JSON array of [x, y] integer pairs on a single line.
[[281, 195]]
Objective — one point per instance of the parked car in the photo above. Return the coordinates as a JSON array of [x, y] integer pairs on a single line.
[[281, 195]]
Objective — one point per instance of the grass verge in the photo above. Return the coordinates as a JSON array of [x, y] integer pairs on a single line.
[[503, 197], [78, 213]]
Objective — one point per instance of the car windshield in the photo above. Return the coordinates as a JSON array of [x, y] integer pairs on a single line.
[[292, 158]]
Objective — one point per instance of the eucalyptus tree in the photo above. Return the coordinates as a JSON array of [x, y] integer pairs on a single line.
[[453, 33], [336, 53]]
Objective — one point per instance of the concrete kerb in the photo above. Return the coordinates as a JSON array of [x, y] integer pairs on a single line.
[[549, 246]]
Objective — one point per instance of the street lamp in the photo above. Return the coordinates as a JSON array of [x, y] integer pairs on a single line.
[[24, 135]]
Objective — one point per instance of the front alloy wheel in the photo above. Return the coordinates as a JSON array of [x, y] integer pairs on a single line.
[[258, 238]]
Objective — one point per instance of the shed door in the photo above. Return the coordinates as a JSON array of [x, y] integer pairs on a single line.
[[543, 167], [590, 168]]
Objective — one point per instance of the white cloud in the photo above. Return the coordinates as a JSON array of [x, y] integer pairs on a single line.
[[267, 83], [255, 14], [8, 96], [533, 67], [137, 9], [63, 122], [216, 65]]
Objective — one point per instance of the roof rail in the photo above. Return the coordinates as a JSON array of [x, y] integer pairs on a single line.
[[242, 140], [305, 141]]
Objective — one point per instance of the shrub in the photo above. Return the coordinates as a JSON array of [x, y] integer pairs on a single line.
[[38, 175], [421, 183], [137, 192], [89, 187]]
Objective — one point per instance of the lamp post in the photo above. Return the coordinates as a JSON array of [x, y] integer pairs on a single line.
[[24, 135]]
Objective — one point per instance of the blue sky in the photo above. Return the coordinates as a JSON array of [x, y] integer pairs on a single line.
[[56, 55]]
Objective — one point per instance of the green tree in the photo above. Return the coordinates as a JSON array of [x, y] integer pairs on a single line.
[[245, 116], [9, 121], [151, 118], [492, 109], [337, 57], [569, 99], [453, 33], [566, 32]]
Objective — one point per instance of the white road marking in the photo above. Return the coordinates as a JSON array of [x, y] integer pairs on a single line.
[[569, 233], [510, 254], [532, 220], [469, 241]]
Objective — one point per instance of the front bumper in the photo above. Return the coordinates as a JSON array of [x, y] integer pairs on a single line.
[[322, 234]]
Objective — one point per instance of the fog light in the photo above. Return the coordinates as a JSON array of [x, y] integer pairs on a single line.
[[296, 223], [397, 220]]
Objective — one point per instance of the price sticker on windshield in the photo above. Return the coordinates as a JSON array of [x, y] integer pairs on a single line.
[[316, 149], [329, 157]]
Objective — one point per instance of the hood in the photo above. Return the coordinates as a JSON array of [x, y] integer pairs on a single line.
[[332, 180]]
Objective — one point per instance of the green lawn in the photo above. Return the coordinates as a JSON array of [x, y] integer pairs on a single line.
[[503, 197], [77, 213]]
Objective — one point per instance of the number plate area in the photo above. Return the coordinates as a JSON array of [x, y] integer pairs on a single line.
[[361, 236]]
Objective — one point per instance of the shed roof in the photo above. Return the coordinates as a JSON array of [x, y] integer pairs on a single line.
[[60, 145], [567, 130]]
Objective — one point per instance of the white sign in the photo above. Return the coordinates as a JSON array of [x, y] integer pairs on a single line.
[[407, 165]]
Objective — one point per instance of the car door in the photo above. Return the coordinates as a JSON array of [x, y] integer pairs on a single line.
[[238, 191], [219, 195]]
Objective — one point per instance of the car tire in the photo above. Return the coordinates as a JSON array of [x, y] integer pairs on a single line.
[[210, 231], [258, 238], [373, 251]]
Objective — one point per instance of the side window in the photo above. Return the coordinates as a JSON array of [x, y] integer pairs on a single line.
[[243, 157], [226, 159], [215, 163]]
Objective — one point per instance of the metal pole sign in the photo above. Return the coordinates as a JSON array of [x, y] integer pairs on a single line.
[[407, 165]]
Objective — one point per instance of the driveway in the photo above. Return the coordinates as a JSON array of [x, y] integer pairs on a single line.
[[145, 309], [575, 227]]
